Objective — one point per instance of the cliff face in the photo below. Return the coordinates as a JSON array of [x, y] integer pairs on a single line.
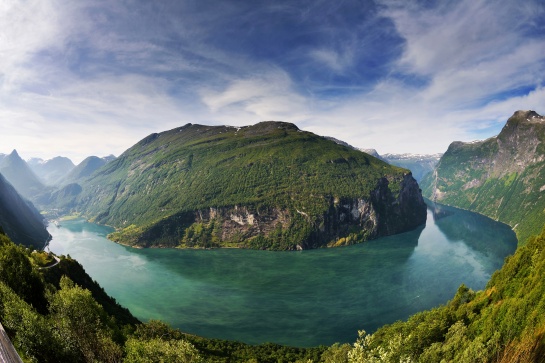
[[346, 221], [502, 177], [268, 185]]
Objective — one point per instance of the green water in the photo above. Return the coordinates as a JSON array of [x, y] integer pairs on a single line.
[[296, 298]]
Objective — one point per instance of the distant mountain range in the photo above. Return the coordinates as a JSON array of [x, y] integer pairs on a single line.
[[51, 171], [502, 177], [84, 169], [418, 164], [269, 185], [36, 178]]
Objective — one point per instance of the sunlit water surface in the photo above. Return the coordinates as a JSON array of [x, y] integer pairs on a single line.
[[302, 298]]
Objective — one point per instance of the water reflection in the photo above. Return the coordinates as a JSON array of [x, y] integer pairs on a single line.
[[439, 211], [478, 232], [299, 298]]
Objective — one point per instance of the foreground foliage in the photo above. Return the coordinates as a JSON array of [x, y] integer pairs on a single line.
[[52, 319], [504, 323]]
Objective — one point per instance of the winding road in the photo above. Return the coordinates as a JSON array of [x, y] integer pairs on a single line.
[[57, 261]]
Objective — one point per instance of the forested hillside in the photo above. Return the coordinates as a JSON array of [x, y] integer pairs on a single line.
[[268, 186], [59, 314]]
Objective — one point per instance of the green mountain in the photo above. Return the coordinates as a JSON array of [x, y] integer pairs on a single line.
[[269, 186], [502, 177], [51, 171], [19, 174], [84, 169], [19, 219]]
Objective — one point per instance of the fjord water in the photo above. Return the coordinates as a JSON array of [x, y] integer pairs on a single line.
[[302, 298]]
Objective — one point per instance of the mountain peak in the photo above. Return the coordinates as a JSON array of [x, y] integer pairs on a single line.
[[276, 124], [528, 114], [265, 127], [521, 120], [251, 181], [19, 174]]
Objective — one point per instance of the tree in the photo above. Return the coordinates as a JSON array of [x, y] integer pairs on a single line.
[[16, 271], [159, 350], [82, 324]]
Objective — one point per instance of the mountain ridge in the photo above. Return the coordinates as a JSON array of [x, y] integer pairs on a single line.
[[19, 174], [51, 171], [84, 169], [251, 186], [502, 177]]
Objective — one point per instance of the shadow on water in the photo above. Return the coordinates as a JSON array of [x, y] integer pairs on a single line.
[[303, 298], [282, 267]]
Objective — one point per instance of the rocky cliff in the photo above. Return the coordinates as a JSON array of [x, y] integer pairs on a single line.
[[502, 177], [346, 221], [268, 185]]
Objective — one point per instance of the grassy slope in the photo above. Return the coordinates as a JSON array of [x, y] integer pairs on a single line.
[[267, 165]]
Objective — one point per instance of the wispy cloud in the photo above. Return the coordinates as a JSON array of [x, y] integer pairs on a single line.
[[475, 68], [268, 96], [80, 78]]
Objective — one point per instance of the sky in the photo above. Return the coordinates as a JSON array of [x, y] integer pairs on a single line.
[[80, 78]]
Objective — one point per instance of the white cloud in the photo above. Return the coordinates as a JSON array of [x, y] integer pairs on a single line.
[[26, 28], [453, 35], [468, 55], [104, 115], [269, 96], [336, 61], [467, 58]]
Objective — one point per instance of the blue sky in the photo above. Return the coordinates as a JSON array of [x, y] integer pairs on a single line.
[[81, 78]]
